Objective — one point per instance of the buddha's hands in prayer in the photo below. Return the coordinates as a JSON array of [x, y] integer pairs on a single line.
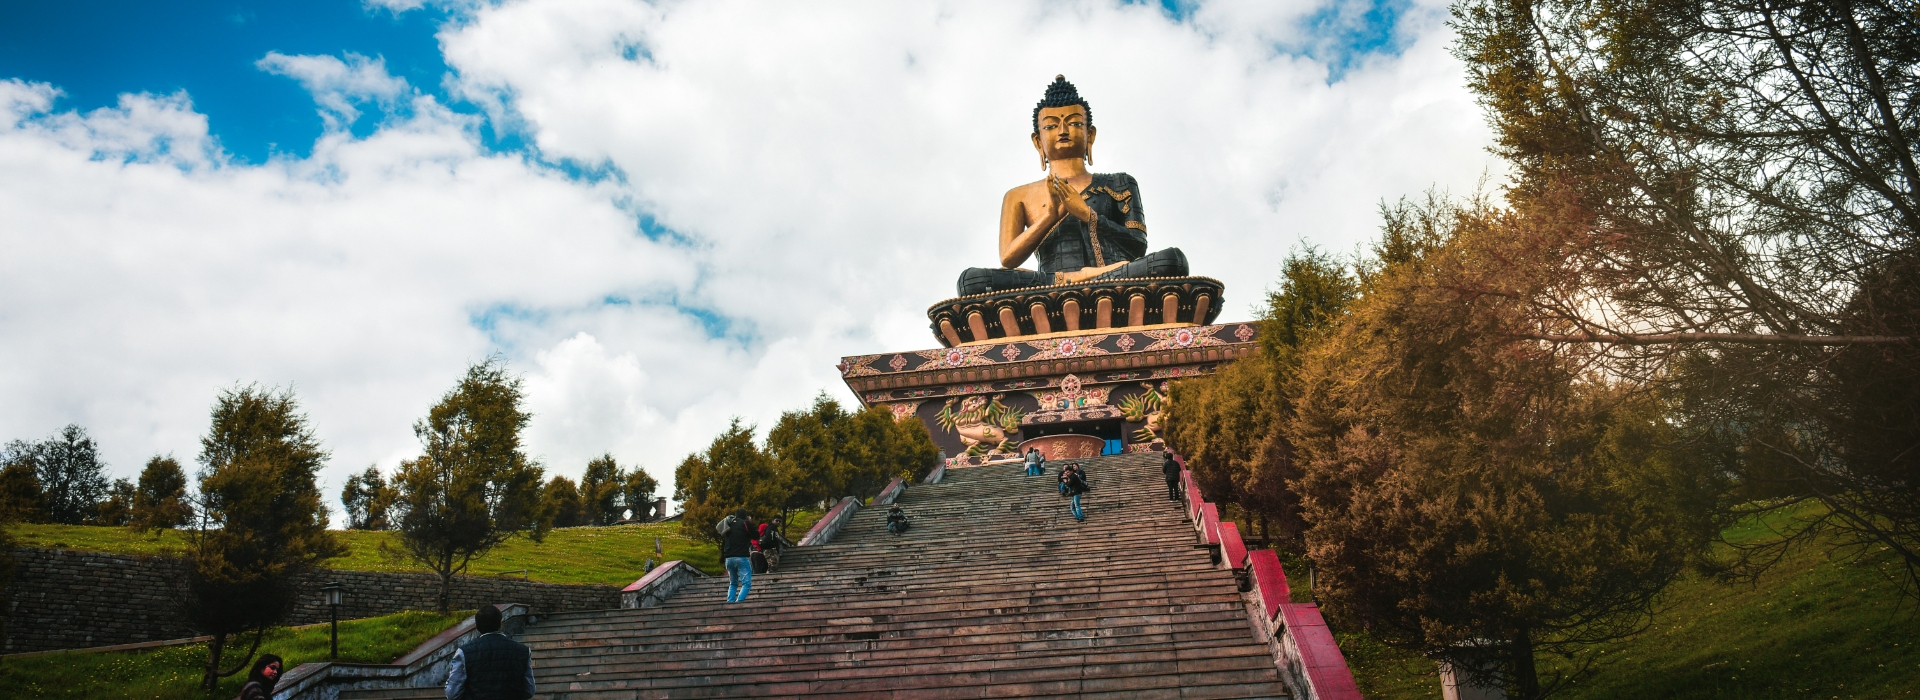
[[1064, 198]]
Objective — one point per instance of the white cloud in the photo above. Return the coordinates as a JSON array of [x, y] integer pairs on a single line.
[[338, 85], [826, 169]]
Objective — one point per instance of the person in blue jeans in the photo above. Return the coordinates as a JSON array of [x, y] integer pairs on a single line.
[[736, 548], [1033, 462], [1074, 483]]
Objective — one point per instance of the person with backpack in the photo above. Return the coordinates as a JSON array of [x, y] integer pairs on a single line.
[[897, 521], [492, 666], [1073, 482], [769, 545], [1171, 470], [736, 549], [260, 680]]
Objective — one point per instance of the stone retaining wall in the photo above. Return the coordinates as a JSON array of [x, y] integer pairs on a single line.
[[64, 599]]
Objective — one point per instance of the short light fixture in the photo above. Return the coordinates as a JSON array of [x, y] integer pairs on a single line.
[[336, 594]]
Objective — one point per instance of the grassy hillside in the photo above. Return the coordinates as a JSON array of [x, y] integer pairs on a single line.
[[613, 555], [1813, 626], [173, 673]]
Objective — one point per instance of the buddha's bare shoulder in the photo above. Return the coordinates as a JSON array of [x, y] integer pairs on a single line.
[[1030, 192]]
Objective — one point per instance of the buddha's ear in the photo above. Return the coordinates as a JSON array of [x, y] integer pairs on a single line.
[[1091, 134]]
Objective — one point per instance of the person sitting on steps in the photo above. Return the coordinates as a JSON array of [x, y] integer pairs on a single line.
[[1074, 482], [897, 521], [491, 666]]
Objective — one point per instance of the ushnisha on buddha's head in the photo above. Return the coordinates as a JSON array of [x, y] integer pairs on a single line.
[[1063, 124]]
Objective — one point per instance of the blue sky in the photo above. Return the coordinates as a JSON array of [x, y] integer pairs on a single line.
[[657, 245], [94, 50]]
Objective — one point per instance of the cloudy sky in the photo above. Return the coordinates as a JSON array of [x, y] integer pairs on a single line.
[[663, 215]]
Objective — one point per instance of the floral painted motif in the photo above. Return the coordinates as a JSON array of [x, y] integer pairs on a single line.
[[1012, 352], [1244, 333], [898, 363], [1125, 342], [957, 357], [1067, 347], [903, 411], [1165, 339]]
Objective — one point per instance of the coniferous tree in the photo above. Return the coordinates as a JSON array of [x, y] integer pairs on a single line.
[[809, 455], [160, 499], [600, 488], [261, 524], [1472, 496], [733, 473], [562, 500], [637, 492], [474, 487], [20, 498]]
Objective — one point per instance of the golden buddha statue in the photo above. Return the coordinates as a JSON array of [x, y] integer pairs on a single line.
[[1081, 225]]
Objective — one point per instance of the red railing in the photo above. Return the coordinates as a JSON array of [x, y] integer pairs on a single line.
[[1304, 648]]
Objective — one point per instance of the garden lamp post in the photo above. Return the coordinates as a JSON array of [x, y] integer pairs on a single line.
[[336, 593]]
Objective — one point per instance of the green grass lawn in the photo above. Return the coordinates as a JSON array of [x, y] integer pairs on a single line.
[[170, 673], [1813, 626], [614, 555]]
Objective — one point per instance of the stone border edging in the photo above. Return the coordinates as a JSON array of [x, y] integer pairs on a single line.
[[1303, 647], [830, 524], [424, 667], [659, 584], [892, 491], [939, 472]]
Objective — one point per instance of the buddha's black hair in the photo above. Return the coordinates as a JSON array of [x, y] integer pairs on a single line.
[[1061, 94]]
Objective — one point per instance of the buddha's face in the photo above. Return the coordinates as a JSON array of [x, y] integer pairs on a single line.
[[1064, 133]]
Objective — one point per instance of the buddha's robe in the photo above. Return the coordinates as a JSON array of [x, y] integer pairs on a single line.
[[1118, 234]]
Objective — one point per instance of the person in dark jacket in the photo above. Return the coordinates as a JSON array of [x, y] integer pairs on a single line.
[[1075, 482], [492, 666], [260, 681], [736, 548], [1171, 469]]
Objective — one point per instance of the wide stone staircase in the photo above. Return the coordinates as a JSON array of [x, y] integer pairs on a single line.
[[995, 592]]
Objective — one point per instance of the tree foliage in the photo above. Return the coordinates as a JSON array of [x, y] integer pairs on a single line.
[[261, 522], [117, 509], [73, 480], [21, 500], [473, 487], [562, 502], [1725, 194], [1229, 424], [825, 453], [637, 490], [600, 490], [160, 499], [369, 500], [733, 473]]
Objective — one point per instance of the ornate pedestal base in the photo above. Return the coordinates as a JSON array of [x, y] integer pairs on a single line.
[[1065, 309], [980, 401]]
